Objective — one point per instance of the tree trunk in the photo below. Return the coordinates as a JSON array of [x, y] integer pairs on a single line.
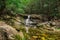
[[3, 6]]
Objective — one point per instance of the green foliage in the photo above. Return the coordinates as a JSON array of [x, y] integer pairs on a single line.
[[17, 6], [17, 37], [45, 7]]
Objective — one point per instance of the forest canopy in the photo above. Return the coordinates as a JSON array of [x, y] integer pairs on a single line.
[[45, 7]]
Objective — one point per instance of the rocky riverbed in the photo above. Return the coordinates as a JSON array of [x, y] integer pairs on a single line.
[[48, 30]]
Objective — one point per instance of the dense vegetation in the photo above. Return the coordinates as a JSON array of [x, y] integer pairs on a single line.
[[13, 13], [50, 8]]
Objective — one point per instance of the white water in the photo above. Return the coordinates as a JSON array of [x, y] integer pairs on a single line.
[[27, 23]]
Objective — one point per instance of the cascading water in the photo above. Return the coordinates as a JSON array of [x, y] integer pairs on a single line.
[[28, 20], [27, 23]]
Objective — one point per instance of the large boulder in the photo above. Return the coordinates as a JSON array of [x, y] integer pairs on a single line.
[[6, 32]]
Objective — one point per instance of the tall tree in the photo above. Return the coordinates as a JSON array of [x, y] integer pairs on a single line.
[[2, 7]]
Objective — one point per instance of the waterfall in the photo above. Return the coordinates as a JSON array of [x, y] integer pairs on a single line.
[[28, 20], [27, 23]]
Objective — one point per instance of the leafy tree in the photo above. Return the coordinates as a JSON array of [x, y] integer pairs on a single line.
[[2, 6], [49, 8], [17, 6]]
